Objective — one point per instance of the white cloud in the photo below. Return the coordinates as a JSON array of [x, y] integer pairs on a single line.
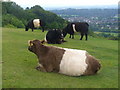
[[52, 3]]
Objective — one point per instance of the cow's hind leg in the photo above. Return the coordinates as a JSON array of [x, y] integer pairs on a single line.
[[81, 36], [86, 35]]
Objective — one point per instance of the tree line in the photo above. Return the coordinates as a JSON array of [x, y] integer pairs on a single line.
[[15, 16], [103, 13]]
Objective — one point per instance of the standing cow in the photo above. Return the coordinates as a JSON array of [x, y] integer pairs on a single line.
[[81, 27], [35, 23]]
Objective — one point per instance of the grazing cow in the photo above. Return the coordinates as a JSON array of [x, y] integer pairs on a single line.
[[71, 28], [70, 62], [35, 23], [54, 37]]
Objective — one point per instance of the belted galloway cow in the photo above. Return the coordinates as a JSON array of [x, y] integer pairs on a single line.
[[66, 61], [35, 23], [81, 27]]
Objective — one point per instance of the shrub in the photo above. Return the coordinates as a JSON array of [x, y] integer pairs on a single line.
[[10, 26], [11, 20]]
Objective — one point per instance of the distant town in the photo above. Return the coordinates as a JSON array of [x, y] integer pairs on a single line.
[[104, 20]]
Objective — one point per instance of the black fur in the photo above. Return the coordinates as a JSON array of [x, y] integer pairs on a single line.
[[54, 37], [81, 27]]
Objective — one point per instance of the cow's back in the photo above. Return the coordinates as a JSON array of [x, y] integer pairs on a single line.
[[73, 62], [81, 27], [36, 23], [54, 36]]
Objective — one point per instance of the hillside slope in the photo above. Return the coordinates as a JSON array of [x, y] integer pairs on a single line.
[[19, 64]]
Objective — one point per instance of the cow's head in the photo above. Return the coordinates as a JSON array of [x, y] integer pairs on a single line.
[[60, 34], [34, 45]]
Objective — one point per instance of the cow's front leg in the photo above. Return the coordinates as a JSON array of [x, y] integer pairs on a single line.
[[81, 36], [41, 68], [32, 29], [42, 29], [72, 36]]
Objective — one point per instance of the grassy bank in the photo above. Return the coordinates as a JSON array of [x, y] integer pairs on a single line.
[[19, 64]]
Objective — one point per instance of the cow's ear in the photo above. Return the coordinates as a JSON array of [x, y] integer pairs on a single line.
[[43, 41], [30, 43]]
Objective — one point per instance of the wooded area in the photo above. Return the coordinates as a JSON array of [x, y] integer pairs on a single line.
[[15, 16]]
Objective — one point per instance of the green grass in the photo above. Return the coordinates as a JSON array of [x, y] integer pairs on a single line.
[[19, 64], [0, 58], [111, 33]]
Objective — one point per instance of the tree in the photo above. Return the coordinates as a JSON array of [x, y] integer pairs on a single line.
[[14, 13]]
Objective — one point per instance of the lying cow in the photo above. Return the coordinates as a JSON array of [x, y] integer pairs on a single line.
[[54, 37], [35, 23], [62, 60]]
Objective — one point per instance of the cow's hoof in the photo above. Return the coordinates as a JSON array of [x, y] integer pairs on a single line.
[[37, 68]]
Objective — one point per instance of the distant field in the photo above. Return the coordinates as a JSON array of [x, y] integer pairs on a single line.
[[19, 64], [113, 34]]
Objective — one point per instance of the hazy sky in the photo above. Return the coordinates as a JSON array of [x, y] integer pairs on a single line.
[[62, 3]]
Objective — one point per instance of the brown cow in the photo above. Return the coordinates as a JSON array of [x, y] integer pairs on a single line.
[[71, 62]]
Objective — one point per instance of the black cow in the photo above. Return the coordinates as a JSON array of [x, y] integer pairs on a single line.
[[54, 37], [81, 27], [35, 23]]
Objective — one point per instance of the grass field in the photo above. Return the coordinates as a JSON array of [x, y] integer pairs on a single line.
[[19, 64], [113, 34], [0, 58]]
